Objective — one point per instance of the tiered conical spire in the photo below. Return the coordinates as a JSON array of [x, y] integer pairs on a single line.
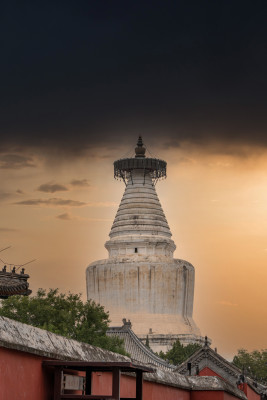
[[140, 220], [140, 212]]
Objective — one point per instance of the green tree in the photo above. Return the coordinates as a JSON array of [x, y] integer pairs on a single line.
[[254, 363], [179, 353], [64, 314]]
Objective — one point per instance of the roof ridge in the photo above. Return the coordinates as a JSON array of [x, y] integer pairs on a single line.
[[146, 349], [142, 347], [209, 353]]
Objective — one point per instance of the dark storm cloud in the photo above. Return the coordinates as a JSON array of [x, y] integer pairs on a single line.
[[52, 188], [15, 161], [80, 183], [81, 75], [53, 202]]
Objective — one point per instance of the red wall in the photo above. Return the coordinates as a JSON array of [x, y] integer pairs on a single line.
[[251, 395], [22, 377], [102, 383], [208, 372], [153, 391], [211, 395], [206, 395]]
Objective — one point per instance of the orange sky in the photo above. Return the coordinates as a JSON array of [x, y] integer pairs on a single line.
[[216, 205]]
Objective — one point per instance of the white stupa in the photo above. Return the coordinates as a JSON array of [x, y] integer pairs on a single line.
[[141, 281]]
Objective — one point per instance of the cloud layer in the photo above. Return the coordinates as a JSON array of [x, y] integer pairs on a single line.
[[64, 217], [52, 188], [100, 74], [6, 230], [15, 161], [53, 202], [4, 195], [80, 183]]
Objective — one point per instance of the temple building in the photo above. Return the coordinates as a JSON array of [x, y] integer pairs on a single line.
[[141, 280], [13, 283]]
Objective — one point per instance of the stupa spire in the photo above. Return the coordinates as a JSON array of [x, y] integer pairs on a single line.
[[140, 225], [140, 149]]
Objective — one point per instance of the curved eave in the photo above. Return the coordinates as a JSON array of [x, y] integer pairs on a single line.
[[13, 284]]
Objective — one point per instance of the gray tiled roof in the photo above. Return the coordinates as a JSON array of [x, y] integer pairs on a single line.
[[12, 283], [207, 357], [137, 350]]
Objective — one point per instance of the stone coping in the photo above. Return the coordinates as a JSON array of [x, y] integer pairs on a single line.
[[22, 337]]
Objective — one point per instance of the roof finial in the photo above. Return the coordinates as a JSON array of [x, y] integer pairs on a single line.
[[140, 150]]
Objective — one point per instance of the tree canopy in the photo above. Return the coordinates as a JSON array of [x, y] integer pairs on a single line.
[[179, 353], [254, 363], [64, 314]]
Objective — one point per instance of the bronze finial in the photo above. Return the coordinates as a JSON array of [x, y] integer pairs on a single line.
[[140, 142], [140, 150]]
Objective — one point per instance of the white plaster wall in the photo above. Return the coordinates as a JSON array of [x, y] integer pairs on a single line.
[[154, 296]]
